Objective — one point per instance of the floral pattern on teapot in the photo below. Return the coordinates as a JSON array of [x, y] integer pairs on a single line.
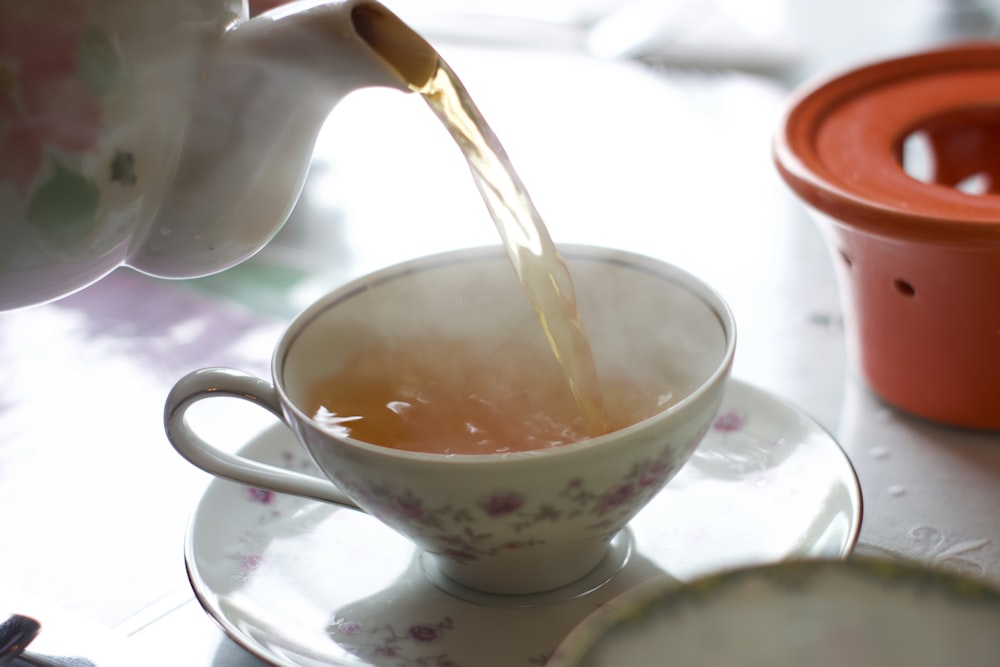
[[55, 71]]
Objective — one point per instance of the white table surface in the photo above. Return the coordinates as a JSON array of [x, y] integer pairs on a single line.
[[94, 501]]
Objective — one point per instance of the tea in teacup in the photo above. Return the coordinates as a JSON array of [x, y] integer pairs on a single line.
[[451, 396]]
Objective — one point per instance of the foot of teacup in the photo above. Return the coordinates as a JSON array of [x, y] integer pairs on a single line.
[[534, 584]]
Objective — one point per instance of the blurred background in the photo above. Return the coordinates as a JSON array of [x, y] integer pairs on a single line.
[[645, 109], [644, 125], [787, 39]]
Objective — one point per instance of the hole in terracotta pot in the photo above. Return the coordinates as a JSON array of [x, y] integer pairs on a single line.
[[903, 287], [846, 259], [958, 149]]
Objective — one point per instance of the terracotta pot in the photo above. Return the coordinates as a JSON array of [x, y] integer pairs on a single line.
[[899, 164]]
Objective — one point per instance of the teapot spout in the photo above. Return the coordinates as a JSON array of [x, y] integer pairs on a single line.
[[400, 49], [264, 93]]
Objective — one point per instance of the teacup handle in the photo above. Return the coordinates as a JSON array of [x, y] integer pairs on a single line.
[[213, 382]]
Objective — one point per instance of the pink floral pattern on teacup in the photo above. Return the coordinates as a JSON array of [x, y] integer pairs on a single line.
[[380, 638], [485, 529]]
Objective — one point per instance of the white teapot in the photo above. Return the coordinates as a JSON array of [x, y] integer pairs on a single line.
[[171, 136]]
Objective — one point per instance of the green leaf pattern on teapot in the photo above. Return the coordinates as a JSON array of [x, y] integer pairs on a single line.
[[63, 209], [54, 71]]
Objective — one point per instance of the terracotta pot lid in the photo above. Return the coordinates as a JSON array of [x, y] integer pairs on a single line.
[[842, 142]]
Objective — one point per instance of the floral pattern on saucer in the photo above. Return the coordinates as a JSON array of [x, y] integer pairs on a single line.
[[304, 584], [387, 642]]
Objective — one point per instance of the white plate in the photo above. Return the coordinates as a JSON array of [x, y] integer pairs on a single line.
[[300, 583], [862, 613]]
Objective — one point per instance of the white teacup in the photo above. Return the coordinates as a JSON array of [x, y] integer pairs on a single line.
[[503, 523]]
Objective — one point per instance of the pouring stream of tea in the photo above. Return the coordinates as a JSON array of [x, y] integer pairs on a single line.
[[538, 265]]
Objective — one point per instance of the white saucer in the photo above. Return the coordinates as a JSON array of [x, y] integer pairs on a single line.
[[299, 583]]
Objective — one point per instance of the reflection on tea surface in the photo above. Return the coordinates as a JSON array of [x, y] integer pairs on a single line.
[[447, 396]]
